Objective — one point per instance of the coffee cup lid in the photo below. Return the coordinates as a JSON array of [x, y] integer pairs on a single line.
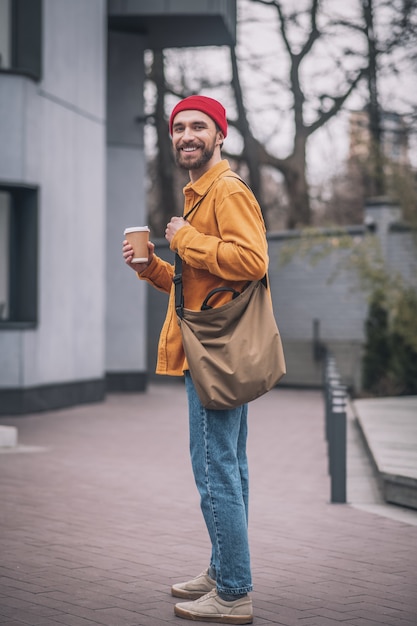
[[134, 229]]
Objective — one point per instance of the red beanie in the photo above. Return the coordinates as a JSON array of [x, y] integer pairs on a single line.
[[209, 106]]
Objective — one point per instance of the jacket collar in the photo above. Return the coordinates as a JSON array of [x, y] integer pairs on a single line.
[[204, 182]]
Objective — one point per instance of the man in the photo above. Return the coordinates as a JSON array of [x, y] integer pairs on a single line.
[[222, 243]]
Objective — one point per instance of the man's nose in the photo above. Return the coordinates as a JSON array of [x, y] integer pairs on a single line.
[[188, 133]]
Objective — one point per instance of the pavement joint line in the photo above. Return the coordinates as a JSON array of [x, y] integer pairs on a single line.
[[22, 449]]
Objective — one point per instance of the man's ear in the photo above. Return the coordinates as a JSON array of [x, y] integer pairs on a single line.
[[219, 138]]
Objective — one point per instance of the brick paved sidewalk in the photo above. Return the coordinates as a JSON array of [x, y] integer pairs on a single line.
[[99, 516]]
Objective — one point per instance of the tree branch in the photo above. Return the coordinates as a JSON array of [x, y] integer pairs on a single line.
[[314, 32], [338, 102]]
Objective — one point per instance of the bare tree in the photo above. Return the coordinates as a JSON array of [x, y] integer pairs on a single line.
[[163, 189], [390, 44], [313, 103], [377, 177], [293, 166]]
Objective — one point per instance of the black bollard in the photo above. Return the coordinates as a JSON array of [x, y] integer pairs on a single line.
[[337, 446]]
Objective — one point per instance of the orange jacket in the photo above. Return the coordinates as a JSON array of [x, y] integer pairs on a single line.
[[225, 245]]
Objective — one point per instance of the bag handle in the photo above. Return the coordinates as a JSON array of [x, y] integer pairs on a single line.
[[177, 278], [205, 306]]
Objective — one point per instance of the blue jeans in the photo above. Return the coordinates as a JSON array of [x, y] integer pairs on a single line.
[[220, 466]]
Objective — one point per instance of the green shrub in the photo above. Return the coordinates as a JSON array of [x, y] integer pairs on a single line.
[[403, 341], [389, 365], [376, 358]]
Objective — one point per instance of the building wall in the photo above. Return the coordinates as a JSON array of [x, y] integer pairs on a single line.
[[401, 256], [316, 302], [53, 137], [71, 128], [126, 298]]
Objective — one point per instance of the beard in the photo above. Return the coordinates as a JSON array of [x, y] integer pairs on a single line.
[[205, 157]]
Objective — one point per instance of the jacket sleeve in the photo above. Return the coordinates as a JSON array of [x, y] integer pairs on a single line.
[[237, 250], [159, 274]]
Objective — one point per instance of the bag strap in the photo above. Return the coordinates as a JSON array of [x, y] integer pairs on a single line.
[[177, 278], [197, 204]]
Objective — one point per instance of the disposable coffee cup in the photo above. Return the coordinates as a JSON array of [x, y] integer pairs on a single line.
[[138, 237]]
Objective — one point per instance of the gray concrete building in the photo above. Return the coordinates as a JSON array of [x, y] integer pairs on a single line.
[[72, 177]]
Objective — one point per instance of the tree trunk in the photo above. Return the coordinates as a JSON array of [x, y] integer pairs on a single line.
[[377, 182], [298, 194], [250, 149], [293, 168], [164, 162]]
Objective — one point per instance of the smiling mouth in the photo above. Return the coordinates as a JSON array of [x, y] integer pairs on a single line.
[[189, 149]]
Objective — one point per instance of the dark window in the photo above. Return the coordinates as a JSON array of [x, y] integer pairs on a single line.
[[18, 255], [21, 37]]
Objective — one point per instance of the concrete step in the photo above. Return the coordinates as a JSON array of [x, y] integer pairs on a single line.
[[8, 436], [389, 428]]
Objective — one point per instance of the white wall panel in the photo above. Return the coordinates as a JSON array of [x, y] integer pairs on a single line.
[[126, 295], [69, 343], [74, 50], [10, 359], [303, 292], [55, 137], [126, 321], [12, 128]]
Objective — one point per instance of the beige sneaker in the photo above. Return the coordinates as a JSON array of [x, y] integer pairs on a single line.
[[211, 608], [195, 588]]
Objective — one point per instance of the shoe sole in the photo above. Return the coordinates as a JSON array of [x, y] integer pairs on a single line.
[[218, 619]]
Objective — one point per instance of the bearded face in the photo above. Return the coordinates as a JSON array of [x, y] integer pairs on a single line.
[[195, 155], [196, 141]]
